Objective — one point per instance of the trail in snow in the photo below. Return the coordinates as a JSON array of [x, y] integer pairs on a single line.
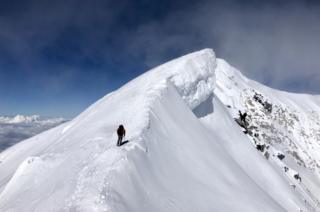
[[186, 152]]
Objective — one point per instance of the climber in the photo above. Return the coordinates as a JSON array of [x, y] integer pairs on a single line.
[[242, 116], [121, 133], [297, 177]]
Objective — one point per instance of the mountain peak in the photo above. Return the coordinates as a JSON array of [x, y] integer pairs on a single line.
[[186, 149]]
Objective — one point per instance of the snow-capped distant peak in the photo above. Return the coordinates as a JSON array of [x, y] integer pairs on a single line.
[[19, 119], [22, 119]]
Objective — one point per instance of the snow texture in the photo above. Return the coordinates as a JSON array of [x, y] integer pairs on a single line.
[[186, 151]]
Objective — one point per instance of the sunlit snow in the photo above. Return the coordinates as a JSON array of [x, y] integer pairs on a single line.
[[186, 151]]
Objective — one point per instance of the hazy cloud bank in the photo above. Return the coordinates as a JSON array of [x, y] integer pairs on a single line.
[[18, 128]]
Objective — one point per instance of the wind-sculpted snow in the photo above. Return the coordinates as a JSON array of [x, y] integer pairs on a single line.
[[288, 124], [185, 151]]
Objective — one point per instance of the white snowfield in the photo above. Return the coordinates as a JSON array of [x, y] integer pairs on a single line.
[[185, 151]]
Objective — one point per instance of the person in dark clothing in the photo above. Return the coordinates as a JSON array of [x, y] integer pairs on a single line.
[[242, 116], [121, 133]]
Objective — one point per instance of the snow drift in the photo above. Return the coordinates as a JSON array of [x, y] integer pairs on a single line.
[[185, 150]]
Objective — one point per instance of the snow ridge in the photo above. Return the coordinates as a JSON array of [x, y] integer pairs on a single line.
[[176, 159], [95, 135]]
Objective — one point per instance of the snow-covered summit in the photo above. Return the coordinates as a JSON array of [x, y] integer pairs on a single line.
[[185, 152]]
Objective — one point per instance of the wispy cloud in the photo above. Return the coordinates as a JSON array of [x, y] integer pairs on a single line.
[[73, 52], [277, 43]]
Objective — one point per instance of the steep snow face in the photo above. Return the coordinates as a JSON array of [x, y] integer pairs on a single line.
[[185, 151], [77, 146], [288, 124]]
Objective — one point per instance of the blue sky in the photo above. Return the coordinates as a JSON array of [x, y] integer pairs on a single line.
[[58, 57]]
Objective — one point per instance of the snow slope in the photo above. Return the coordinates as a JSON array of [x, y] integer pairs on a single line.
[[288, 123], [185, 151]]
